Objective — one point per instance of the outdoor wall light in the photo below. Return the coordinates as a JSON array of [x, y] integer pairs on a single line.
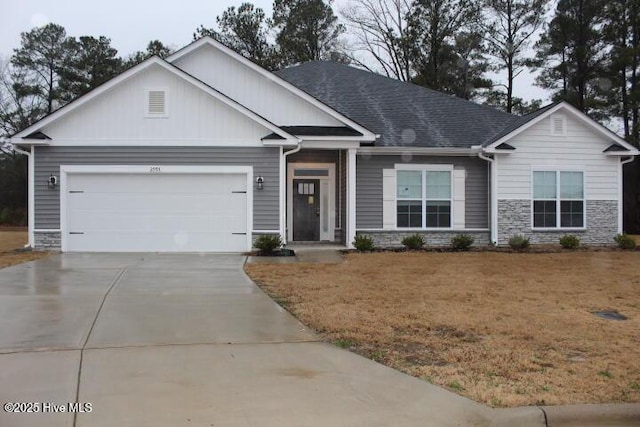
[[52, 182], [260, 182]]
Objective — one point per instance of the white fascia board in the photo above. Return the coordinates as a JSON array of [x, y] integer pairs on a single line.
[[318, 142], [494, 151], [29, 142], [367, 134], [633, 152], [280, 143], [329, 144], [154, 60], [575, 113]]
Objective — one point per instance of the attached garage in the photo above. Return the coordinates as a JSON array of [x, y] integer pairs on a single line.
[[156, 208]]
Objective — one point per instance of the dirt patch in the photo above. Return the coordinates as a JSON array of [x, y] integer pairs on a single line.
[[12, 241], [503, 329]]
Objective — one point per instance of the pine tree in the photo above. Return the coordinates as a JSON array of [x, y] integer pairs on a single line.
[[572, 54]]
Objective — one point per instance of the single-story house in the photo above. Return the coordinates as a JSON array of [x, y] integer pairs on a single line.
[[205, 151]]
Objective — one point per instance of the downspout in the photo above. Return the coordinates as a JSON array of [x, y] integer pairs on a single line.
[[283, 191], [621, 192], [30, 194], [494, 197]]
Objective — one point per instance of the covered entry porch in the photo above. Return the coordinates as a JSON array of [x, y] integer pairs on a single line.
[[320, 195]]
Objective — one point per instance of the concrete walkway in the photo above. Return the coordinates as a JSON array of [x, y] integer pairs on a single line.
[[189, 340]]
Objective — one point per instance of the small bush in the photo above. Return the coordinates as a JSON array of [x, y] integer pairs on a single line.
[[363, 243], [413, 242], [569, 241], [461, 242], [267, 243], [519, 242], [625, 241]]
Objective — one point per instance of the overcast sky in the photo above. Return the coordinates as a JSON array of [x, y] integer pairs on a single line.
[[131, 24]]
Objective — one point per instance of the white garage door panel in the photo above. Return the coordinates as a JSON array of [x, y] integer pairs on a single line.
[[156, 212]]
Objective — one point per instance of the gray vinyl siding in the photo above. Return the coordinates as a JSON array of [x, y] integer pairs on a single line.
[[265, 162], [369, 187]]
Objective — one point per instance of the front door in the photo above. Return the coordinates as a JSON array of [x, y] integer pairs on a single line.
[[306, 210]]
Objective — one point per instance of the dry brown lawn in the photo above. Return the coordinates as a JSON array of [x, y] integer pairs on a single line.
[[503, 329], [12, 241]]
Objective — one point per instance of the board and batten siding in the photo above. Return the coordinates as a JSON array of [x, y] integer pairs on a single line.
[[580, 149], [265, 162], [119, 116], [251, 89], [369, 187]]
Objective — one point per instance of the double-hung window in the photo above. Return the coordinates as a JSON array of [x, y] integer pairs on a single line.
[[558, 199], [423, 198]]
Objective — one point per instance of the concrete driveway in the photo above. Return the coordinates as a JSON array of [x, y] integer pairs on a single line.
[[187, 340]]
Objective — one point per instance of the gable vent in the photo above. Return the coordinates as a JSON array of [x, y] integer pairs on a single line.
[[156, 105], [558, 125]]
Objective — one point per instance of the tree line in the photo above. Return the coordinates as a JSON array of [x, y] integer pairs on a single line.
[[586, 52]]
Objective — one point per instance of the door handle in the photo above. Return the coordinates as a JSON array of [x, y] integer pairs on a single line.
[[318, 212]]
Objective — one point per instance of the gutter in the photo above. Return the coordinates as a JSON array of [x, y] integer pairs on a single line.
[[30, 193], [629, 160], [493, 197], [283, 192]]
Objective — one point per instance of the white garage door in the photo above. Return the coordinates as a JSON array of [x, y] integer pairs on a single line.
[[156, 212]]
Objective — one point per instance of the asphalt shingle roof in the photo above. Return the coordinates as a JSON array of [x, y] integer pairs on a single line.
[[404, 114], [315, 131]]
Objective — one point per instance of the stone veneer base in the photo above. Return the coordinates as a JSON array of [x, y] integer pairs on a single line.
[[514, 217]]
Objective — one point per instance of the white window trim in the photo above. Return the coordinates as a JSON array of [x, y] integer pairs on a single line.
[[558, 199], [148, 115], [424, 168]]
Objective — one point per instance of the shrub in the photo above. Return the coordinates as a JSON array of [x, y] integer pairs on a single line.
[[461, 242], [625, 241], [569, 241], [267, 243], [414, 242], [519, 242], [363, 243]]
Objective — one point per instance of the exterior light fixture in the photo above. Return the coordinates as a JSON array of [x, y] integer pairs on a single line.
[[260, 182], [52, 182]]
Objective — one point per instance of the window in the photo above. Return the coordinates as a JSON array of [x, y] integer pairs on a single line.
[[558, 199], [423, 199]]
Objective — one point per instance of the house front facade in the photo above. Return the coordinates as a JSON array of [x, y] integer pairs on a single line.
[[205, 151]]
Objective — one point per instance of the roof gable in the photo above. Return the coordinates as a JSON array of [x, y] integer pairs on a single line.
[[261, 90], [523, 123], [58, 115]]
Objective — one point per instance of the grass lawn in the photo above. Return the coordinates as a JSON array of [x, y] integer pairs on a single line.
[[503, 329], [12, 240]]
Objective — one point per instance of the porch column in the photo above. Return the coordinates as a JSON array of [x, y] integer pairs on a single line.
[[351, 197]]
